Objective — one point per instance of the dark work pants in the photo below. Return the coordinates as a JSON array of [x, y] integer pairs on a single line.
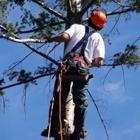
[[79, 96]]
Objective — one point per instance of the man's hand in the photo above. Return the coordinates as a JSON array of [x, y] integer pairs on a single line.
[[97, 62], [49, 39]]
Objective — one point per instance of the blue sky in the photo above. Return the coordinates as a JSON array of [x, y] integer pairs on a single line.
[[118, 98]]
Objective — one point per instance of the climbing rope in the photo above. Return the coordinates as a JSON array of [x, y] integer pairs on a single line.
[[50, 118], [50, 115], [60, 121], [62, 69]]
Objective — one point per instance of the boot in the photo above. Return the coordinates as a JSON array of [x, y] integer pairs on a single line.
[[45, 132], [78, 133]]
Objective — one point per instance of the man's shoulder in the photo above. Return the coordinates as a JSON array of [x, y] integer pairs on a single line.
[[78, 25], [79, 28], [97, 34]]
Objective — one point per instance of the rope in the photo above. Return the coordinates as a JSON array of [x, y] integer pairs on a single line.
[[62, 70], [50, 115], [50, 118], [60, 121]]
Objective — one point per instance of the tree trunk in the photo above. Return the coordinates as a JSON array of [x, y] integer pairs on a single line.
[[76, 6]]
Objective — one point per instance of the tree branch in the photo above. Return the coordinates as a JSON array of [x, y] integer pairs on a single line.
[[118, 64], [50, 10], [117, 12], [87, 7], [3, 28], [99, 114], [42, 54], [30, 47], [27, 81], [18, 62], [113, 27], [115, 1], [122, 11], [29, 40], [38, 29], [69, 6]]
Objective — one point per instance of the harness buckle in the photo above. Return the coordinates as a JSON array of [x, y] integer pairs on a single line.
[[62, 67]]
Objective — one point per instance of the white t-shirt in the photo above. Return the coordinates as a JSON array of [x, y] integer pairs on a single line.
[[95, 45]]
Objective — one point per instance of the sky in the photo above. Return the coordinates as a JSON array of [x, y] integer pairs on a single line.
[[117, 95]]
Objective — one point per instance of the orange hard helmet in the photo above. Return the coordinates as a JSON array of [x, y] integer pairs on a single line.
[[99, 17]]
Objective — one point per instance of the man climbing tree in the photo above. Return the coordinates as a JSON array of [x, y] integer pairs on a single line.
[[36, 19], [85, 47]]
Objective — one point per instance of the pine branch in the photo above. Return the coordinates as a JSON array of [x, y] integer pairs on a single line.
[[52, 11], [38, 29], [27, 81]]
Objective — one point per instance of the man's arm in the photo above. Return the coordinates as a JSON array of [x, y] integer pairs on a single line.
[[59, 38], [97, 62]]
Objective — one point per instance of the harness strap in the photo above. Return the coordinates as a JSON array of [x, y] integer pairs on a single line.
[[83, 41]]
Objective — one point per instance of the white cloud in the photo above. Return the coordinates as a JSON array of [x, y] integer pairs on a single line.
[[129, 132], [116, 93]]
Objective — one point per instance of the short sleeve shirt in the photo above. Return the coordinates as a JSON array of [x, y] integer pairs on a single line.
[[95, 46]]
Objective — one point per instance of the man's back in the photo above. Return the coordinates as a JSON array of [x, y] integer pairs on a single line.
[[95, 45], [76, 32]]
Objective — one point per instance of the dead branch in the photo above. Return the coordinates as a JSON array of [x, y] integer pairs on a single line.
[[18, 40], [102, 120]]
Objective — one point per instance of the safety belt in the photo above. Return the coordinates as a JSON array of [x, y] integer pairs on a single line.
[[83, 41]]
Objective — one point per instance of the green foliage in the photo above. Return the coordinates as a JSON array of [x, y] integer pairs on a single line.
[[18, 2], [136, 3], [3, 12], [45, 70], [27, 77], [129, 57], [3, 6], [40, 22], [21, 76], [1, 83], [10, 29], [2, 92]]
